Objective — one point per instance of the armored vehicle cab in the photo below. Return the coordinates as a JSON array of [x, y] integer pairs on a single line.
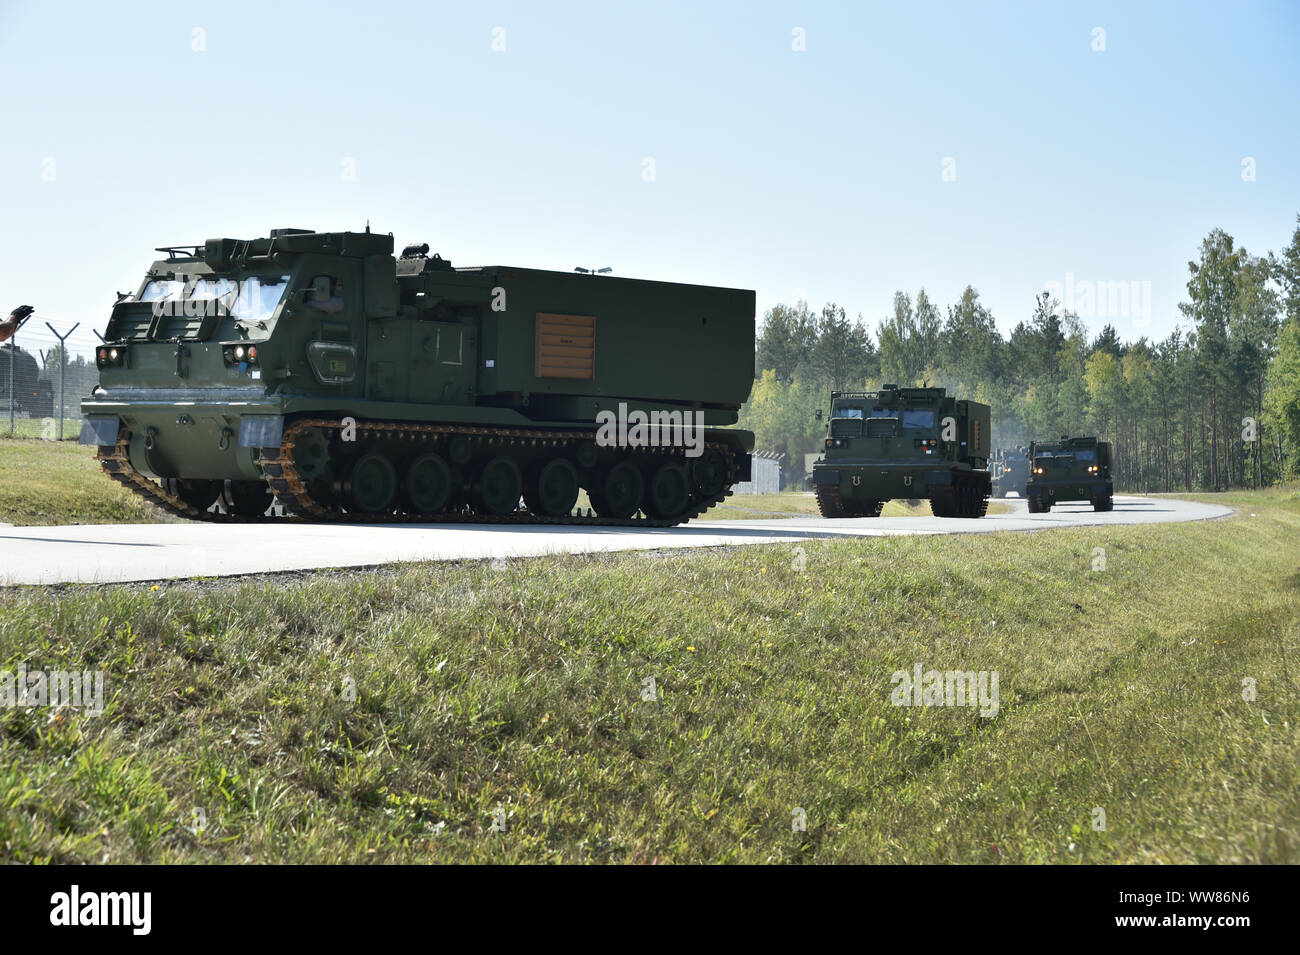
[[903, 443], [1072, 469]]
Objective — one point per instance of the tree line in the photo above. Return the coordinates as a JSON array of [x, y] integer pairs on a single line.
[[1211, 406]]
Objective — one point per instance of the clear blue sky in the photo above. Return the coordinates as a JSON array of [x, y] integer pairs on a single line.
[[814, 173]]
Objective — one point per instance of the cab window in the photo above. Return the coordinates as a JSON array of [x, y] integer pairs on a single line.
[[848, 412], [325, 295], [918, 419]]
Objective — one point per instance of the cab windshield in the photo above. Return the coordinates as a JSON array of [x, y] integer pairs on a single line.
[[920, 419], [848, 412], [253, 299]]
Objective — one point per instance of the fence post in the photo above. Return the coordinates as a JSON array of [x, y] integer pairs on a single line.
[[63, 366]]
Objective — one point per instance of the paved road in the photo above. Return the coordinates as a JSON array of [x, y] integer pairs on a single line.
[[119, 553]]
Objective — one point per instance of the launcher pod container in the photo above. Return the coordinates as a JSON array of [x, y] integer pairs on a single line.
[[903, 443], [319, 371], [1072, 469], [1010, 470]]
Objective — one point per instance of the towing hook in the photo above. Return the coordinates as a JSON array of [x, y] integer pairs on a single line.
[[149, 436], [223, 442]]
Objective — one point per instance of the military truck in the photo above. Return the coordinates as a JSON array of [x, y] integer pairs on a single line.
[[903, 443], [29, 393], [1072, 469], [321, 371], [1010, 470]]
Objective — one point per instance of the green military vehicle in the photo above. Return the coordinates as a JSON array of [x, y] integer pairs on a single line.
[[1072, 469], [28, 393], [318, 370], [1010, 470], [903, 443]]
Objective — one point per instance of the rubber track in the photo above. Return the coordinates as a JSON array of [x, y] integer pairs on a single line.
[[282, 478], [943, 499], [829, 503]]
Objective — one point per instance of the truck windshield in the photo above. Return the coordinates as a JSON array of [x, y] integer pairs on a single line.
[[253, 299], [1088, 455], [843, 412], [918, 419], [884, 412]]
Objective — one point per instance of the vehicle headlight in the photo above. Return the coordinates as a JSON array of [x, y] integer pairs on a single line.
[[107, 356]]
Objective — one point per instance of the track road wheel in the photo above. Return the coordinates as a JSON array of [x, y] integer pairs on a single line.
[[196, 492], [247, 498], [311, 455], [620, 492], [428, 484], [709, 473], [500, 486], [553, 490], [374, 483], [670, 492]]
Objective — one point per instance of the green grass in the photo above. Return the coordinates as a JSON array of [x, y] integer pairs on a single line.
[[521, 688], [59, 482]]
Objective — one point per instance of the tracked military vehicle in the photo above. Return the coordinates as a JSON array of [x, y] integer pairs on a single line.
[[903, 443], [320, 371], [1072, 469], [1010, 470]]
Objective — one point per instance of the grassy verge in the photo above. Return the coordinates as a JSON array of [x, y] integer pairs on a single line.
[[59, 482], [524, 692]]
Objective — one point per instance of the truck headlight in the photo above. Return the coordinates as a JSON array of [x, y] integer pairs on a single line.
[[109, 356], [239, 354]]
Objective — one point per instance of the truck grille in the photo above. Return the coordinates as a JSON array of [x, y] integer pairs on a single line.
[[882, 427]]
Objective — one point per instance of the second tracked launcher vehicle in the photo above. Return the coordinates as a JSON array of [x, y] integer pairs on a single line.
[[321, 371], [1072, 469], [903, 443]]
